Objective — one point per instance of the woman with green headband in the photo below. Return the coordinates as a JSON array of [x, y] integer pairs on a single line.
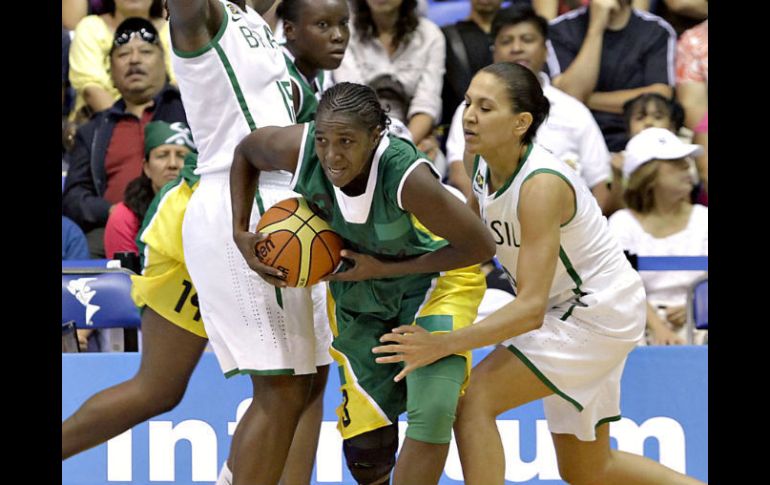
[[165, 147]]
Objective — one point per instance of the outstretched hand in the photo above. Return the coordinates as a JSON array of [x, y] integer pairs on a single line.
[[413, 345], [364, 267], [247, 245]]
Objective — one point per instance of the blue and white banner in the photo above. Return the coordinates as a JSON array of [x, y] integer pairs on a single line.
[[664, 404]]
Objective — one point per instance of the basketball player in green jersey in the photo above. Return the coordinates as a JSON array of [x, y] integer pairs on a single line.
[[384, 198], [317, 35]]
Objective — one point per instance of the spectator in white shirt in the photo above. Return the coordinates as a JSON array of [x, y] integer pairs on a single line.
[[570, 131], [388, 37]]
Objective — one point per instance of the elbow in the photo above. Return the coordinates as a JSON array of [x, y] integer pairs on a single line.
[[533, 309], [487, 248], [663, 89], [535, 318], [490, 250]]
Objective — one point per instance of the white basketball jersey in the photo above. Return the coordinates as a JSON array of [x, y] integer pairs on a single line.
[[590, 259], [235, 84]]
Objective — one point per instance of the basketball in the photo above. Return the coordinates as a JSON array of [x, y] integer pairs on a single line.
[[300, 244]]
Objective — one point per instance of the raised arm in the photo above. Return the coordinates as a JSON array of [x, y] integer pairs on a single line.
[[546, 201], [269, 148], [580, 77], [194, 22]]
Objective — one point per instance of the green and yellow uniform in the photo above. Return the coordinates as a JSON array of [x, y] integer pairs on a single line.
[[376, 223]]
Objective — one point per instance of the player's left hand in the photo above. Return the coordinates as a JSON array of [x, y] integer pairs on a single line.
[[413, 345], [364, 267]]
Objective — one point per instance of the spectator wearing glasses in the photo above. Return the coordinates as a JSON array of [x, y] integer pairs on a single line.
[[89, 55], [109, 150]]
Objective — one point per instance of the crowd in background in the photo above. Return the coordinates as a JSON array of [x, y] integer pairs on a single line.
[[627, 81]]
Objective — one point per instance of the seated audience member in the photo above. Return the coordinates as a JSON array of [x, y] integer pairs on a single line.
[[108, 150], [468, 49], [165, 147], [89, 55], [682, 14], [692, 77], [649, 110], [661, 221], [608, 53], [73, 241], [569, 131], [550, 9], [388, 37]]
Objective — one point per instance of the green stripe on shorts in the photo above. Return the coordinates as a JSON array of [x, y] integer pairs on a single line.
[[255, 372], [607, 420], [543, 378], [435, 323]]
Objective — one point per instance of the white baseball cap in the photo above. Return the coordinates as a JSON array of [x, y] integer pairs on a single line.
[[655, 144]]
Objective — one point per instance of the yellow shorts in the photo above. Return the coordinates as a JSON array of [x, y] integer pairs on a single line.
[[165, 285], [370, 398]]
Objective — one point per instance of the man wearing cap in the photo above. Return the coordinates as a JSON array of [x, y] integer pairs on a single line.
[[108, 150], [660, 220]]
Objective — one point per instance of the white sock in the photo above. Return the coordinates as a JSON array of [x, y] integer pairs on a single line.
[[225, 476]]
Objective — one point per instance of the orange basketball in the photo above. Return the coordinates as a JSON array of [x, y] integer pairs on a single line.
[[300, 244]]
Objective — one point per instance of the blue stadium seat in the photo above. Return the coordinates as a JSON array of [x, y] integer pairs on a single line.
[[697, 307], [89, 263], [98, 297], [445, 13]]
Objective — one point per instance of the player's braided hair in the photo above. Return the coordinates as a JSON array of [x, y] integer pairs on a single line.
[[355, 100], [289, 10]]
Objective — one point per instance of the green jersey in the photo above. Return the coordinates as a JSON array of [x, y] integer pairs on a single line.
[[373, 223], [310, 90]]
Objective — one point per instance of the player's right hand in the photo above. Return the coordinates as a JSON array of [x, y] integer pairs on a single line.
[[247, 244]]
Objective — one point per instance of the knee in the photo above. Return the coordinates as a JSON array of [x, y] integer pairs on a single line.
[[285, 393], [156, 396], [371, 456], [476, 403], [431, 421], [169, 399]]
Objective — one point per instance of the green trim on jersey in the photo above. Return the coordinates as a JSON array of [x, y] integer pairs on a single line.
[[387, 232], [236, 86], [571, 271], [550, 385], [560, 175], [308, 103], [508, 182], [212, 43], [607, 420], [260, 203]]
